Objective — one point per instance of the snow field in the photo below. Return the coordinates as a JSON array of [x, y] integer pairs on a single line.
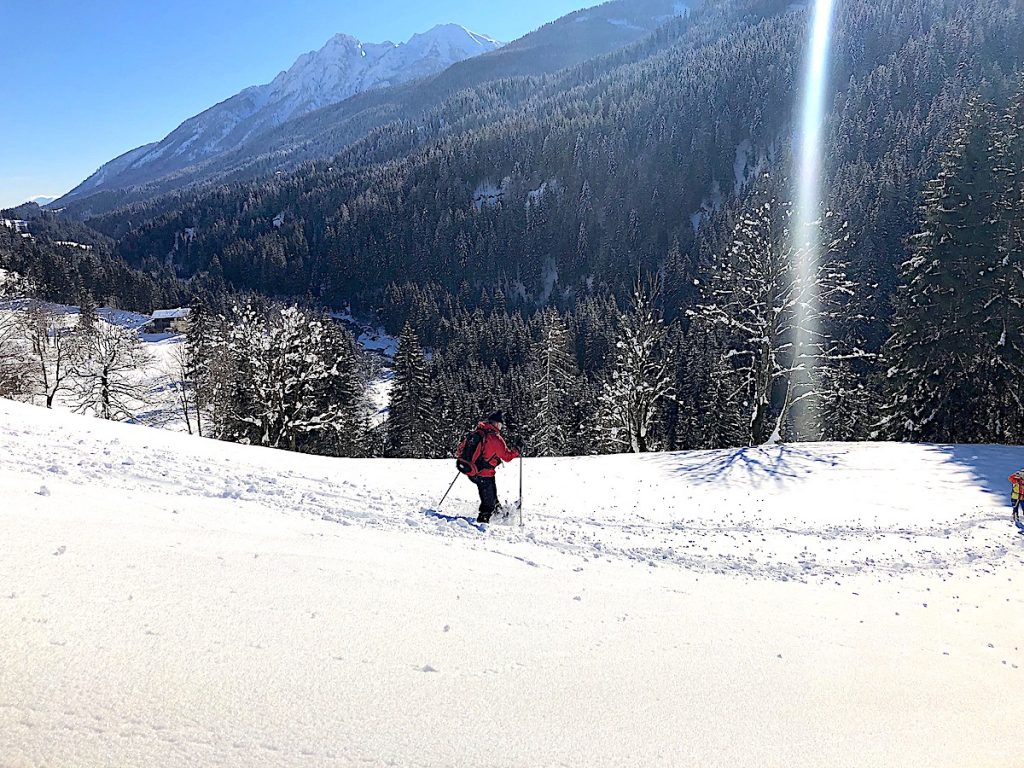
[[160, 407], [173, 601]]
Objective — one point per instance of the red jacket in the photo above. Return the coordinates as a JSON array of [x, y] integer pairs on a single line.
[[493, 449]]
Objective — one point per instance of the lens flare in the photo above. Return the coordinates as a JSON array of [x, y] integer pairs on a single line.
[[807, 229]]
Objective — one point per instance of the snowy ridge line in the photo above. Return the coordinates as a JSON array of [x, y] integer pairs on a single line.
[[659, 510], [342, 68]]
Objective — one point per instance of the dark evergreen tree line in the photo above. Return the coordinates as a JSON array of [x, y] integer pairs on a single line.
[[956, 355], [71, 274], [551, 189]]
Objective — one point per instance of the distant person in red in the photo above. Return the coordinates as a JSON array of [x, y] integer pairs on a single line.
[[493, 451], [1017, 493]]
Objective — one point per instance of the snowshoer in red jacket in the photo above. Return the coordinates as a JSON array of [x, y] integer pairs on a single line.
[[493, 451]]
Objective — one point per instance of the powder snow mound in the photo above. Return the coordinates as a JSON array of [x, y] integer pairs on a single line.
[[216, 603]]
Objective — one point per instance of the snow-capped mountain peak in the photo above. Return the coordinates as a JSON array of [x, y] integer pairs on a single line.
[[455, 35], [343, 67]]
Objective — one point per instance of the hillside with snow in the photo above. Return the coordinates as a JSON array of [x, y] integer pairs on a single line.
[[335, 98], [174, 601], [344, 67]]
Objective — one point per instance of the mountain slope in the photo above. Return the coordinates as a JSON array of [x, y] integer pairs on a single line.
[[175, 601], [342, 68], [582, 175], [321, 133]]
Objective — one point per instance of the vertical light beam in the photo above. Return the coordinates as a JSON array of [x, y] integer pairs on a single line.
[[807, 229]]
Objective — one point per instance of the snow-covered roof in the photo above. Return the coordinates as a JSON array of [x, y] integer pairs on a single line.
[[171, 314]]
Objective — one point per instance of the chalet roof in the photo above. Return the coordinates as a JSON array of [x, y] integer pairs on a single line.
[[171, 314]]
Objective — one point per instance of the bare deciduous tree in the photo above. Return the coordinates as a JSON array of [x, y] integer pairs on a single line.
[[109, 382], [56, 349], [179, 371], [774, 324], [15, 366], [640, 378]]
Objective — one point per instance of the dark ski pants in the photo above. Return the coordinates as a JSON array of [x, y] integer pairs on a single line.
[[488, 488], [1016, 508]]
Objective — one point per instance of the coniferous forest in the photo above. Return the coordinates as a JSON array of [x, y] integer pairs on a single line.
[[606, 251]]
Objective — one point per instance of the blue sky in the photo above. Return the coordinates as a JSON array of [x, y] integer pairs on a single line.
[[86, 81]]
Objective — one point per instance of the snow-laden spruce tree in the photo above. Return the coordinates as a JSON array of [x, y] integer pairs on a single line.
[[205, 367], [87, 312], [955, 357], [640, 375], [346, 389], [552, 390], [1006, 280], [108, 382], [285, 380], [409, 424], [704, 411], [755, 307]]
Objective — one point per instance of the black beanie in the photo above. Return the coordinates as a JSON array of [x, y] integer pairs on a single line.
[[498, 417]]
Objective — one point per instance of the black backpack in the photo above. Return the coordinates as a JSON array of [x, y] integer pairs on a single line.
[[468, 453]]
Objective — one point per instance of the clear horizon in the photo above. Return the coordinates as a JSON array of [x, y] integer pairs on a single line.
[[91, 83]]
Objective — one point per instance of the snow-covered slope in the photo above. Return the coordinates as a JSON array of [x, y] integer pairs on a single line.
[[342, 68], [173, 601]]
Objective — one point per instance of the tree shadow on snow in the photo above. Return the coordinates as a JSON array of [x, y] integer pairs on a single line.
[[756, 465], [990, 466]]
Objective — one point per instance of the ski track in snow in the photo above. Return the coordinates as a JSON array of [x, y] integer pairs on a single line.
[[174, 601], [674, 519]]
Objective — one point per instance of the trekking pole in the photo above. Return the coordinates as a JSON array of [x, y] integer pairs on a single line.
[[447, 492], [520, 490]]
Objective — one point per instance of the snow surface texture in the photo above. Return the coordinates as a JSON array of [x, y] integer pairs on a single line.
[[174, 601]]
